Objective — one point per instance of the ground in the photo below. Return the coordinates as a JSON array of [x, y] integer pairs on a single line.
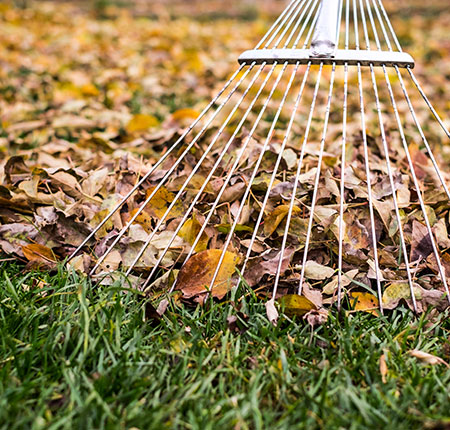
[[82, 83]]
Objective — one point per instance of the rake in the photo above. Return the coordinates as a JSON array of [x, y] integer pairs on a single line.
[[272, 107]]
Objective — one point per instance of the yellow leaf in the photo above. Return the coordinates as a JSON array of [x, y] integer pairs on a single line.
[[143, 219], [196, 275], [38, 253], [295, 305], [189, 233], [272, 221], [141, 122], [187, 113], [161, 201], [365, 302]]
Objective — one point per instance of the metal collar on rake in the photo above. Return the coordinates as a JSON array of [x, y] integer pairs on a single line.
[[317, 26]]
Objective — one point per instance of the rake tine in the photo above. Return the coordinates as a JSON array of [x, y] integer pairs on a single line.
[[277, 25], [255, 171], [319, 167], [299, 21], [316, 181], [294, 190], [230, 173], [147, 242], [281, 19], [411, 108], [417, 187], [416, 183], [205, 183], [277, 164], [416, 83], [192, 250], [366, 156], [343, 152], [175, 165], [388, 163], [161, 160]]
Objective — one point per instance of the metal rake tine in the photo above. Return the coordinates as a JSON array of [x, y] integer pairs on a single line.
[[223, 187], [411, 108], [266, 46], [388, 163], [316, 182], [305, 22], [427, 101], [198, 195], [418, 190], [294, 190], [230, 173], [416, 82], [283, 145], [422, 135], [158, 163], [148, 240], [343, 155], [254, 173], [319, 168], [366, 158], [394, 192], [172, 169], [292, 4], [283, 34], [416, 184], [277, 164], [241, 152]]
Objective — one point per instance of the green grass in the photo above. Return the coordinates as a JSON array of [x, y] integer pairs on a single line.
[[77, 356]]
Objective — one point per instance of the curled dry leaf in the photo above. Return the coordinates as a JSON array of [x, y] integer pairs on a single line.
[[272, 313], [196, 275], [427, 358]]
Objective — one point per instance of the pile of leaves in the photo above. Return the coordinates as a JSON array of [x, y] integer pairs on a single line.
[[89, 106]]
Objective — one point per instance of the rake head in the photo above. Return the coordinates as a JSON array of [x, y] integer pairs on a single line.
[[297, 174]]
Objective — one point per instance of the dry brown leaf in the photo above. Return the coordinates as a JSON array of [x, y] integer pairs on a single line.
[[38, 253], [196, 275], [274, 219], [427, 358]]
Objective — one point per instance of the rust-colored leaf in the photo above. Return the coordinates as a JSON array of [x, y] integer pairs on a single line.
[[196, 275]]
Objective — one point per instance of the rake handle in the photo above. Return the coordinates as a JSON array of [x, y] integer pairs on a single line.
[[324, 43]]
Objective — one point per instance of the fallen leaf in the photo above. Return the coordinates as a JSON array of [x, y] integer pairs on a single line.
[[427, 358], [293, 304], [141, 122], [272, 221], [317, 271], [196, 275], [272, 313], [366, 302], [38, 253]]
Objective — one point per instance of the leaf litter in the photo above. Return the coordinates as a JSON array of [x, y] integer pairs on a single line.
[[84, 129]]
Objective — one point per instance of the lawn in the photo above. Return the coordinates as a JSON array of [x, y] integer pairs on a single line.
[[91, 95], [78, 356]]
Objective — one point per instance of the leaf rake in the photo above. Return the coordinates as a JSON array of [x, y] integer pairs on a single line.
[[248, 173]]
